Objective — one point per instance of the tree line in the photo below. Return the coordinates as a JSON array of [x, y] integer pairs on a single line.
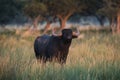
[[50, 10]]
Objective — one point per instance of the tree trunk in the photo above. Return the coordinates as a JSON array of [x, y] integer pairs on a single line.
[[100, 18], [113, 27], [47, 27], [35, 22], [63, 23], [32, 31], [118, 22], [63, 20]]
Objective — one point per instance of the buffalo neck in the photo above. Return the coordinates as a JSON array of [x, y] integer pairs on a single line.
[[61, 43], [65, 43]]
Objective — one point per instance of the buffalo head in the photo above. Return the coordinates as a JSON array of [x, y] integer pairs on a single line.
[[67, 34]]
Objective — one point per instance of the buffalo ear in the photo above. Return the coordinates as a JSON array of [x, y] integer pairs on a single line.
[[59, 36], [74, 36]]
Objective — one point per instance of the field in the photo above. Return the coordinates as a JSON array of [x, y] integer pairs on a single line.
[[95, 57]]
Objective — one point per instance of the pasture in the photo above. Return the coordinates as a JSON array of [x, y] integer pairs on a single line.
[[95, 57]]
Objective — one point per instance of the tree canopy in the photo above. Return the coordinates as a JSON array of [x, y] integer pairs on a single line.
[[9, 9], [35, 8], [62, 9], [111, 9]]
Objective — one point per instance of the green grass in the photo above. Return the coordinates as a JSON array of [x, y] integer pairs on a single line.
[[96, 57]]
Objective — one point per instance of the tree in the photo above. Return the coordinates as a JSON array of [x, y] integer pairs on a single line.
[[92, 8], [39, 10], [117, 6], [63, 9], [9, 9], [35, 9], [111, 10], [49, 17]]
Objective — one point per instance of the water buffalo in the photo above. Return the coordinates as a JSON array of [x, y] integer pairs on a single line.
[[54, 47]]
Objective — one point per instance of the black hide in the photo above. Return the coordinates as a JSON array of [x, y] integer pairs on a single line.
[[53, 48]]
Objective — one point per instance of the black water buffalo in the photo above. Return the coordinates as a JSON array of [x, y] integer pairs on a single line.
[[54, 47]]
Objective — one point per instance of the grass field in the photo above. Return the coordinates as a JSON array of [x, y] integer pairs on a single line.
[[95, 57]]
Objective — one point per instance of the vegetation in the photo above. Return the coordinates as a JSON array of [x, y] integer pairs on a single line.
[[49, 10], [9, 9], [96, 57], [112, 8], [66, 8], [62, 10], [35, 10]]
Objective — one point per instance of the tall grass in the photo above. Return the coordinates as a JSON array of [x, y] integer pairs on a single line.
[[96, 57]]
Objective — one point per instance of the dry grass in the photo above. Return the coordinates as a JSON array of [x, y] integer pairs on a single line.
[[96, 57]]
